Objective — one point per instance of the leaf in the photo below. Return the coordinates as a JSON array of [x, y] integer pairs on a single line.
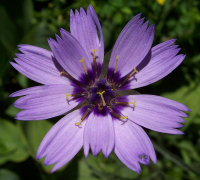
[[8, 175], [174, 158], [12, 144], [188, 95], [34, 132], [16, 20]]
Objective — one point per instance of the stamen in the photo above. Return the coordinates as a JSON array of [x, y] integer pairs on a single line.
[[118, 116], [94, 50], [133, 103], [123, 117], [94, 60], [128, 77], [125, 103], [63, 72], [85, 69], [135, 71], [101, 94], [83, 117], [117, 57], [68, 95]]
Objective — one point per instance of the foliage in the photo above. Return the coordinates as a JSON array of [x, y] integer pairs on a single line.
[[33, 21]]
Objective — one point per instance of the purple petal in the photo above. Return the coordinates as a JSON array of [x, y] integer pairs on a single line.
[[47, 102], [132, 45], [156, 113], [62, 142], [99, 133], [68, 53], [132, 145], [84, 28], [38, 64], [160, 61]]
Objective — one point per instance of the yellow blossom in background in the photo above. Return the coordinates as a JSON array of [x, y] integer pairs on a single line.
[[161, 2]]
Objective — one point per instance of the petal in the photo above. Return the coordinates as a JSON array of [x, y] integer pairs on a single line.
[[161, 60], [156, 113], [132, 145], [68, 53], [62, 142], [132, 45], [46, 102], [84, 28], [99, 133], [39, 65]]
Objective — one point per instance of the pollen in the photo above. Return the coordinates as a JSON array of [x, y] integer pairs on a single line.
[[101, 94], [117, 57], [85, 69], [68, 95]]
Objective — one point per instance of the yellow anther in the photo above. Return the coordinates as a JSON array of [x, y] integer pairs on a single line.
[[94, 50], [117, 57], [67, 96], [63, 72], [101, 94], [123, 117], [85, 69], [132, 103]]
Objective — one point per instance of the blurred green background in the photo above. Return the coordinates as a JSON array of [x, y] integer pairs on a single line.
[[33, 21]]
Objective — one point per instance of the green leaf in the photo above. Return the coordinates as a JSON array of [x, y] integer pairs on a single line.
[[8, 175], [172, 157], [12, 144], [34, 132], [188, 95]]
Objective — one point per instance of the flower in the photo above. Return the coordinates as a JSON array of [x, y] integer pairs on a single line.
[[106, 120]]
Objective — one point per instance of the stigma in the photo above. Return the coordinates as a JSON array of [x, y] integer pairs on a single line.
[[83, 117], [85, 69], [68, 95], [101, 94]]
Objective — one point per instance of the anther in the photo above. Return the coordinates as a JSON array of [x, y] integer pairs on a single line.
[[68, 95], [83, 117], [117, 57], [85, 69], [101, 94]]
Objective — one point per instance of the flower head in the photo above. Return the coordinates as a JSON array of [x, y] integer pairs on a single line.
[[106, 119]]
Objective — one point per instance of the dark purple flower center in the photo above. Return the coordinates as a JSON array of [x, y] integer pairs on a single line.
[[100, 94]]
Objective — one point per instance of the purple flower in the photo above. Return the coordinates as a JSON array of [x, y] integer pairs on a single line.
[[71, 76]]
